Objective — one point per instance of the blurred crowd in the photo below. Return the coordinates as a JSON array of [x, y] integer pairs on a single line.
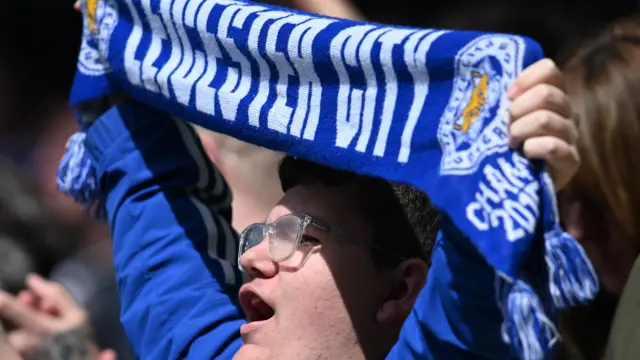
[[42, 232]]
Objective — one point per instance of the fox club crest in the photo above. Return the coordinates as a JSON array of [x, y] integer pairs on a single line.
[[100, 20], [474, 123]]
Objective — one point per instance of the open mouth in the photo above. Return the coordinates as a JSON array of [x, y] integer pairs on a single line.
[[255, 307]]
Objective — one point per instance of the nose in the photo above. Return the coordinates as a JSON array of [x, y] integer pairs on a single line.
[[257, 262]]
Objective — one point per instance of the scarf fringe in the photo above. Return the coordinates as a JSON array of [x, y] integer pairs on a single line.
[[572, 278], [526, 327], [77, 178]]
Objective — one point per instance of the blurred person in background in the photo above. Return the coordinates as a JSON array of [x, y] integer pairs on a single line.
[[38, 53], [601, 205], [30, 239]]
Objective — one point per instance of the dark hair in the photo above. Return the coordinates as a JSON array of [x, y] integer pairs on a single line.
[[403, 219]]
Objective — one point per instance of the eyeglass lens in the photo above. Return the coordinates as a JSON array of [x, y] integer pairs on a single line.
[[283, 236]]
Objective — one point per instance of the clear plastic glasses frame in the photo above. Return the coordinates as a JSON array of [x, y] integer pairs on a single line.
[[285, 234]]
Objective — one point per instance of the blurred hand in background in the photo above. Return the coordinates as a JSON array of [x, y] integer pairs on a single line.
[[48, 323]]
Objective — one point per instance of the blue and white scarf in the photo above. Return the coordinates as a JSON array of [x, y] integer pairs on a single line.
[[424, 107]]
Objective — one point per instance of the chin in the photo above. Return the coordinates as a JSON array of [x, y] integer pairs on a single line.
[[253, 352]]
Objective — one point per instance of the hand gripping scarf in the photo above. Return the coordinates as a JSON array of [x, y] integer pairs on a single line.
[[424, 107]]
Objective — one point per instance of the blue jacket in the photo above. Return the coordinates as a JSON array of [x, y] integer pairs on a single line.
[[175, 254]]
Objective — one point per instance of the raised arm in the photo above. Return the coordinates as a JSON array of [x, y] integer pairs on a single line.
[[175, 253]]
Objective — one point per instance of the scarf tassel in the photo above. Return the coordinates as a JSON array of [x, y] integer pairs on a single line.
[[572, 278], [77, 178], [526, 327]]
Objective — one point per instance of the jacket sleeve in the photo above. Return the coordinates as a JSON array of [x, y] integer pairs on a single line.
[[174, 250], [456, 315]]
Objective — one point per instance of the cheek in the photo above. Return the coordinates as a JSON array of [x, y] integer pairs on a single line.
[[310, 298], [322, 307], [331, 292], [311, 286]]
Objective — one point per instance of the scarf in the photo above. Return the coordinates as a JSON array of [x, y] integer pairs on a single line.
[[423, 107]]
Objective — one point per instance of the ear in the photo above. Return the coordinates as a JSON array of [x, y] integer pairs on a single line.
[[572, 219], [208, 143], [408, 279]]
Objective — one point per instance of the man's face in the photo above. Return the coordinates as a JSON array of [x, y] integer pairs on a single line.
[[321, 303]]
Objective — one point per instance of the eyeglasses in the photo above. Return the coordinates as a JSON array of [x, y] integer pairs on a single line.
[[285, 235]]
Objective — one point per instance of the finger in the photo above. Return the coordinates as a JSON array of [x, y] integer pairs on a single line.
[[49, 307], [561, 158], [544, 71], [107, 355], [51, 293], [542, 123], [77, 6], [541, 97], [24, 342], [20, 315], [27, 298]]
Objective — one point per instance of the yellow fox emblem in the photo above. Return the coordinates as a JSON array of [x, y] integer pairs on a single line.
[[473, 110], [91, 12]]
